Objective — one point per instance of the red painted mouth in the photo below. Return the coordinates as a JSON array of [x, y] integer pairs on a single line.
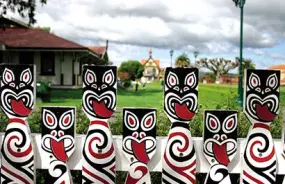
[[220, 152], [264, 113], [58, 150], [20, 108], [139, 150], [101, 109], [183, 112]]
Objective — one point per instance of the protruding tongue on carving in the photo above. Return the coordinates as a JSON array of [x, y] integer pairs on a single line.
[[183, 112], [19, 107], [101, 109], [264, 113], [58, 150], [139, 150], [220, 152]]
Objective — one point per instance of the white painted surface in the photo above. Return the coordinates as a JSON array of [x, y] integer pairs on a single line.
[[122, 163]]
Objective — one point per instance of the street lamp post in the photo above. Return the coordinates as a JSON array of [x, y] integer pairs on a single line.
[[171, 54], [240, 4]]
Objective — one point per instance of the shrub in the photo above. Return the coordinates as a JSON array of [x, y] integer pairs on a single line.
[[43, 91]]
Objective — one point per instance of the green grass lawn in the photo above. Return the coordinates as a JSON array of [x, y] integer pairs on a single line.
[[210, 95]]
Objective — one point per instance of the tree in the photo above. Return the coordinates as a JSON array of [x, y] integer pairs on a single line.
[[196, 53], [25, 8], [218, 66], [134, 68], [246, 63], [182, 60]]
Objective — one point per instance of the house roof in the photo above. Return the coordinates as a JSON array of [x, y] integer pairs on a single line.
[[277, 67], [34, 38], [156, 61], [100, 50]]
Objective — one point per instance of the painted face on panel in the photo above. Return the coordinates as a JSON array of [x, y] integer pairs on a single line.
[[261, 98], [181, 93], [220, 136], [58, 131], [99, 91], [139, 133], [17, 90]]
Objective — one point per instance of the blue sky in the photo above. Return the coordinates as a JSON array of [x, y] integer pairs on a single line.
[[211, 27]]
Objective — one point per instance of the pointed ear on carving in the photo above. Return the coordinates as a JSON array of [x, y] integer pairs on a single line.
[[172, 79], [26, 76], [109, 77], [8, 76], [90, 77]]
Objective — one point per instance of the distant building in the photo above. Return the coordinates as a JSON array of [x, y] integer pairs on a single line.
[[151, 67], [281, 68]]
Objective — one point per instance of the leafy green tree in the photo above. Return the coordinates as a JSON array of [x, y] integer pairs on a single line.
[[25, 8], [134, 68], [246, 63], [182, 60]]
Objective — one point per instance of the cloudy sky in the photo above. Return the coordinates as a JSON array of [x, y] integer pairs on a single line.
[[133, 26]]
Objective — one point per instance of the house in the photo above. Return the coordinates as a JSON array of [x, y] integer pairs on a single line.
[[151, 67], [229, 79], [281, 68], [57, 60]]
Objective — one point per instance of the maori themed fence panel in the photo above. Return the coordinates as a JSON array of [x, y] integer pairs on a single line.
[[99, 103], [139, 142], [58, 141], [220, 144], [261, 106], [17, 101], [180, 105]]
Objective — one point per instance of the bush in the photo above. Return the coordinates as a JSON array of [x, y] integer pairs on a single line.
[[127, 83], [43, 91]]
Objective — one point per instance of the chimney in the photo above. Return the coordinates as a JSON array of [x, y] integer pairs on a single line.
[[150, 52]]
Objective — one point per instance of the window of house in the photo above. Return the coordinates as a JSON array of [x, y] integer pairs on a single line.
[[47, 63], [26, 57]]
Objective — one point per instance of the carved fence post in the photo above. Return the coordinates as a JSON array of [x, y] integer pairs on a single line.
[[58, 132], [180, 105], [220, 143], [139, 142], [99, 103], [261, 106], [17, 101]]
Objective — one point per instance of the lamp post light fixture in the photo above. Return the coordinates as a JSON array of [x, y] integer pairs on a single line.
[[240, 4], [171, 54]]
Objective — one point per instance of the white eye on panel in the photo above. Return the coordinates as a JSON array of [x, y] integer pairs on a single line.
[[66, 120], [8, 76], [190, 80], [172, 79], [131, 121], [148, 121], [230, 123], [254, 81], [49, 119], [109, 77], [212, 123], [90, 77], [272, 81], [26, 76]]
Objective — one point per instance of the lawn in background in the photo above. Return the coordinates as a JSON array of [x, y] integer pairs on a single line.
[[210, 95]]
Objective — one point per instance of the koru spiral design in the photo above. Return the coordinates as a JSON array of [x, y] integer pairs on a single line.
[[180, 105], [139, 142], [99, 103], [220, 143], [17, 101], [261, 106], [58, 132]]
